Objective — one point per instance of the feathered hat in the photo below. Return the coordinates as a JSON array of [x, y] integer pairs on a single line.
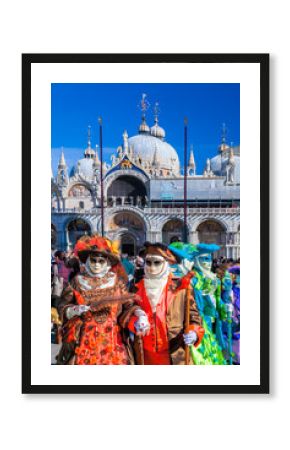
[[184, 251], [96, 244], [235, 270], [204, 249], [161, 250], [190, 251]]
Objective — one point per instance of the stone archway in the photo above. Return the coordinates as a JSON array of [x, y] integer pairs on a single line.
[[212, 232], [126, 190], [128, 244], [79, 197], [129, 228], [75, 229], [173, 230]]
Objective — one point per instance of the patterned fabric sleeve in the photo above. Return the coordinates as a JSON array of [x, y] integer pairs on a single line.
[[128, 307], [67, 299]]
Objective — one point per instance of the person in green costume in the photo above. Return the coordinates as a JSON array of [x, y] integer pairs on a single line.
[[207, 291]]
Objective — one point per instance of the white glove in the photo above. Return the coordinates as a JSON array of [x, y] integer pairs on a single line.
[[77, 310], [188, 265], [230, 309], [141, 325], [57, 286], [190, 338]]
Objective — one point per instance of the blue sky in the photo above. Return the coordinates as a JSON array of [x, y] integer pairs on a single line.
[[207, 106]]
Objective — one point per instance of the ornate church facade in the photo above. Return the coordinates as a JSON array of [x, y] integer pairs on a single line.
[[143, 194]]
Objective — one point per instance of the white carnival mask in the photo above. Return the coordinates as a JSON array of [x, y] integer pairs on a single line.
[[154, 265], [205, 262], [97, 265]]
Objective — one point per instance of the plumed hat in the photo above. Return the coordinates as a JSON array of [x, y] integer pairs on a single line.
[[183, 251], [204, 249], [190, 251], [159, 249], [235, 270], [96, 244]]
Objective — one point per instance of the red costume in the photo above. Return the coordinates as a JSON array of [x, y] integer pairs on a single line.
[[164, 343]]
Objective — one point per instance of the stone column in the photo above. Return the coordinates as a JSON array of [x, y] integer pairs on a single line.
[[93, 224], [193, 237], [154, 236], [65, 239]]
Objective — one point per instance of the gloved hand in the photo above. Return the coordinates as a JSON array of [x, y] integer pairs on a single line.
[[141, 325], [230, 309], [55, 317], [190, 338], [57, 286], [77, 310]]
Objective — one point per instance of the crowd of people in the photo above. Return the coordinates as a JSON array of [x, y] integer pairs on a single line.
[[168, 305]]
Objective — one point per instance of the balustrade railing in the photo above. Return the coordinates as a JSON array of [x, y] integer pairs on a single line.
[[153, 210]]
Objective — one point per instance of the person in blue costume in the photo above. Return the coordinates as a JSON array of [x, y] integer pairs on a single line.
[[235, 273], [227, 298], [207, 291]]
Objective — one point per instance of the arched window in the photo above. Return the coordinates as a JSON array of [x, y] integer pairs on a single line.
[[212, 232], [77, 228], [173, 231], [79, 190], [127, 186], [130, 229], [128, 244]]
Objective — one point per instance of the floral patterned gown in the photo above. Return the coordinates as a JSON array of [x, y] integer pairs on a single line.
[[98, 336]]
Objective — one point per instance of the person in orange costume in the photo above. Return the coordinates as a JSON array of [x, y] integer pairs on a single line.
[[95, 308], [163, 300]]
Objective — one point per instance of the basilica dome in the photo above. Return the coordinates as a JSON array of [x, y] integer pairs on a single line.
[[84, 167], [157, 131], [149, 147], [219, 163]]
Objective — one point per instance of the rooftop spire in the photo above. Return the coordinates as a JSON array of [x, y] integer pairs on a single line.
[[191, 162], [223, 146], [144, 106], [125, 143], [156, 112], [89, 136], [224, 133], [156, 130], [89, 152], [97, 162], [62, 162]]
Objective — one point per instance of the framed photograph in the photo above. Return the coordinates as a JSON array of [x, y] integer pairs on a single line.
[[152, 171]]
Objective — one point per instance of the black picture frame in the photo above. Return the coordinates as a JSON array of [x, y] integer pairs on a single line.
[[27, 61]]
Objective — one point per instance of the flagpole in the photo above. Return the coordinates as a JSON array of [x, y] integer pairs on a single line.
[[185, 237], [101, 173]]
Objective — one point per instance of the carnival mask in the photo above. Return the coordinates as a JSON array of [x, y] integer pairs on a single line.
[[154, 265], [97, 264], [205, 261]]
